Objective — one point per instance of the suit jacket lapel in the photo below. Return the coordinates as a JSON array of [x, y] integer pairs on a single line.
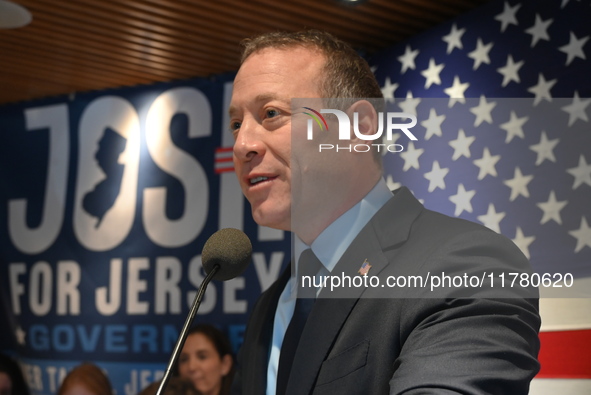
[[325, 322], [388, 228]]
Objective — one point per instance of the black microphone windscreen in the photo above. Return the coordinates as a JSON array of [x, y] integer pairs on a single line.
[[231, 249]]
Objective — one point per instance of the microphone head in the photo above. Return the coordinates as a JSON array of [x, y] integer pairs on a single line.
[[231, 249]]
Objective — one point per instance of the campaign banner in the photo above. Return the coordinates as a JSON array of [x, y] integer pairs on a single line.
[[107, 199]]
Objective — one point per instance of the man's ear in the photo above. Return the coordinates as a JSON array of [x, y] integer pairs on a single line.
[[367, 122]]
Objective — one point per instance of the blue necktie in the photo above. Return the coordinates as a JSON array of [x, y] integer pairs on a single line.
[[308, 265]]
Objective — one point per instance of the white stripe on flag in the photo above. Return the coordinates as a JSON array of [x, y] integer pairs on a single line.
[[223, 160], [223, 166], [560, 386], [565, 314], [560, 314]]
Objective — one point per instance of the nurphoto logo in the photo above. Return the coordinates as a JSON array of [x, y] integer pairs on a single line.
[[393, 122]]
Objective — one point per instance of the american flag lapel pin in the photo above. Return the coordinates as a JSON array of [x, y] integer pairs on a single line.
[[364, 269]]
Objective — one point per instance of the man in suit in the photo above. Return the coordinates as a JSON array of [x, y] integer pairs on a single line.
[[362, 339]]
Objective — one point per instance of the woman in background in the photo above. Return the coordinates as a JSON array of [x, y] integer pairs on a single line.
[[206, 360], [12, 381], [86, 379]]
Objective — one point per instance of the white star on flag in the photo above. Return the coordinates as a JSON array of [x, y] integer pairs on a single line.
[[456, 92], [507, 17], [576, 110], [551, 209], [461, 145], [544, 149], [523, 242], [462, 200], [510, 71], [436, 177], [574, 48], [492, 219], [542, 89], [411, 156], [539, 31], [583, 235], [480, 54], [408, 59], [514, 127], [454, 38], [518, 184], [431, 74], [487, 164], [564, 3], [483, 111], [581, 173], [388, 90], [433, 124]]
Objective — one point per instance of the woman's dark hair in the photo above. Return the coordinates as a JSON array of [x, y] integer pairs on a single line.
[[13, 370], [222, 345]]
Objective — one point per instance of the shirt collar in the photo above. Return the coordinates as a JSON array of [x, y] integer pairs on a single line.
[[332, 243]]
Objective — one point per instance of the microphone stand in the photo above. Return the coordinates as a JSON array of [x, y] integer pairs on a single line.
[[183, 336]]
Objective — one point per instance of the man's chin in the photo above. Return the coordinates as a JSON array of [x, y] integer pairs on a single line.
[[273, 220]]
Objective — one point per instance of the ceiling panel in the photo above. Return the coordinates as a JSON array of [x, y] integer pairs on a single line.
[[74, 46]]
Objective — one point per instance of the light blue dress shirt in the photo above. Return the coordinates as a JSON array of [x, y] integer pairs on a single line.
[[329, 246]]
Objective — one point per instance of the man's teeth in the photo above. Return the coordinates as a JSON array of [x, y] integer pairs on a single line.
[[258, 179]]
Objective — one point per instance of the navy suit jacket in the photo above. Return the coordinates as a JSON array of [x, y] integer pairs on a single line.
[[407, 340]]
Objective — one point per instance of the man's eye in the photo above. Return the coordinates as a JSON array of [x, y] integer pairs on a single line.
[[271, 113], [234, 126]]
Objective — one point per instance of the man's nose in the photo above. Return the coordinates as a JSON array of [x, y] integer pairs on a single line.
[[249, 142]]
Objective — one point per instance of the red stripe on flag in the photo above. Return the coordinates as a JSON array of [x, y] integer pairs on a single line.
[[223, 160], [223, 170], [565, 354]]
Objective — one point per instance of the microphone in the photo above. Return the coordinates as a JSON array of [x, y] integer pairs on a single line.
[[225, 255], [230, 250]]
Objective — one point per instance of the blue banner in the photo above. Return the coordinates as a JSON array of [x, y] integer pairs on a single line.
[[107, 200]]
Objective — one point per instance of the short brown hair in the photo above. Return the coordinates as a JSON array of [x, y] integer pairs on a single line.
[[346, 74], [90, 376]]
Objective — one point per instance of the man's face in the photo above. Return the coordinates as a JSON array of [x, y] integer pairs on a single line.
[[260, 118]]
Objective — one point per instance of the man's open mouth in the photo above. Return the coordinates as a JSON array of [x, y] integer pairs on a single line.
[[257, 180]]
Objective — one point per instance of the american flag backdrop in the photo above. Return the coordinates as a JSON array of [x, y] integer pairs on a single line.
[[503, 98]]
